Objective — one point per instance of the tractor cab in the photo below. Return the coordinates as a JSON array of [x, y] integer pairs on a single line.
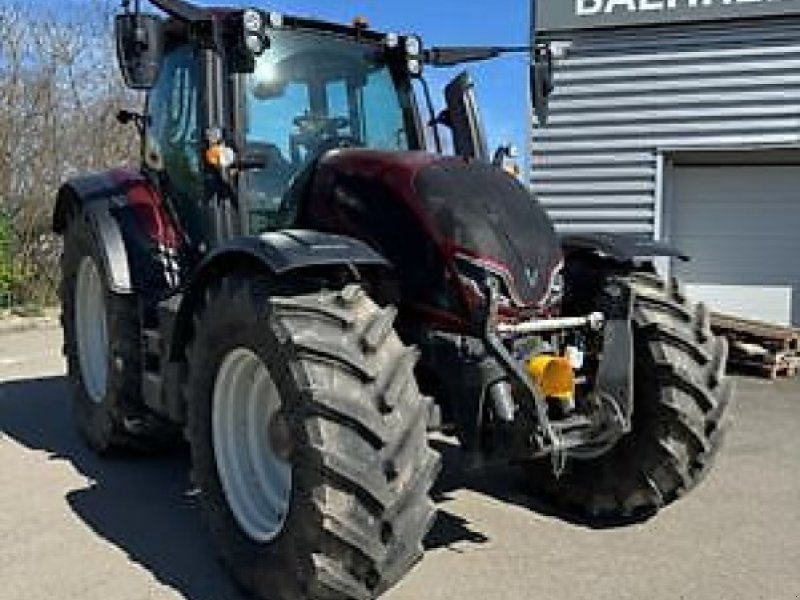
[[243, 103], [239, 125], [311, 93]]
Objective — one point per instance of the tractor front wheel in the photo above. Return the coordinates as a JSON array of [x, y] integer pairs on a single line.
[[680, 400], [308, 440]]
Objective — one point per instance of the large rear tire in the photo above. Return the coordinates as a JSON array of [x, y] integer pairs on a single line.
[[325, 493], [101, 342], [680, 400]]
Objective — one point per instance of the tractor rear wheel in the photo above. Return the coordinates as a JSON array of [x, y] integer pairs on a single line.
[[308, 439], [680, 401], [101, 335]]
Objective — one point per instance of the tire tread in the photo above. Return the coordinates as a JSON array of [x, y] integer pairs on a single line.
[[677, 418], [369, 414]]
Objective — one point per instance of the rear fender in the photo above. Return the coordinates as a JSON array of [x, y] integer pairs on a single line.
[[136, 238]]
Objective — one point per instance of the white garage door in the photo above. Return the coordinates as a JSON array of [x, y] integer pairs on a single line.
[[741, 225]]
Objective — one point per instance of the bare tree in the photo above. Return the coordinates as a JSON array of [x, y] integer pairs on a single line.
[[59, 94]]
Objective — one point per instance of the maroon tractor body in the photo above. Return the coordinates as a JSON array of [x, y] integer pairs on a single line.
[[299, 280], [434, 218]]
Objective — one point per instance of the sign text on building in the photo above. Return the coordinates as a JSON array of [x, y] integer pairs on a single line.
[[556, 15]]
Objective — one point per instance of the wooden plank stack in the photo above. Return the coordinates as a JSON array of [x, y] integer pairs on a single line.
[[758, 348]]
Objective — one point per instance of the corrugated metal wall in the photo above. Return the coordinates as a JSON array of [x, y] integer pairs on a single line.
[[623, 95]]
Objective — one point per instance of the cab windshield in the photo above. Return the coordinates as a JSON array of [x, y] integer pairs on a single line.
[[309, 94]]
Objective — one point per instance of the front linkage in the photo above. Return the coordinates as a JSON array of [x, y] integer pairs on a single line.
[[518, 400]]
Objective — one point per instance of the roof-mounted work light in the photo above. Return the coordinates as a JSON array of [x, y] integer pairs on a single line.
[[412, 45], [253, 21], [254, 31], [392, 41]]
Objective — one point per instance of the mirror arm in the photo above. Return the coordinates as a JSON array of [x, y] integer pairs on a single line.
[[451, 56], [433, 121]]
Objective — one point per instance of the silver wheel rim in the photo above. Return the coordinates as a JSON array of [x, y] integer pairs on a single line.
[[256, 481], [91, 329]]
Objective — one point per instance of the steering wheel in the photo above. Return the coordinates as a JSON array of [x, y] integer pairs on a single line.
[[317, 134], [313, 124], [334, 143]]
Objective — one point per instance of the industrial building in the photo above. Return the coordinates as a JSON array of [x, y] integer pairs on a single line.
[[679, 120]]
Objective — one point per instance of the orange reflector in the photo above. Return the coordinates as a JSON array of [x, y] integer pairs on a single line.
[[554, 376], [220, 156], [214, 155], [361, 22]]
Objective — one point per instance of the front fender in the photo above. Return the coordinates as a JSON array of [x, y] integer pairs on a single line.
[[621, 248], [279, 253], [291, 250]]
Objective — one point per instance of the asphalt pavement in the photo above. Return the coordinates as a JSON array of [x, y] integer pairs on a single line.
[[76, 527]]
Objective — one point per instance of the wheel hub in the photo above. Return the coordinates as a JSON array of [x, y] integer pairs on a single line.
[[256, 480], [91, 329]]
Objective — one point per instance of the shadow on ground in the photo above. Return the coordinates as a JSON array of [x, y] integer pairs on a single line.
[[511, 485], [141, 504]]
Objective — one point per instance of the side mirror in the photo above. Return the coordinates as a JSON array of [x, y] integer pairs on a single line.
[[463, 118], [126, 117], [541, 80], [140, 48]]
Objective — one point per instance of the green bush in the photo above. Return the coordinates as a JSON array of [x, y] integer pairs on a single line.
[[26, 278], [6, 275], [5, 251], [10, 275]]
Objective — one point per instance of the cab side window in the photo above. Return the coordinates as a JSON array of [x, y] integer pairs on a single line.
[[173, 140]]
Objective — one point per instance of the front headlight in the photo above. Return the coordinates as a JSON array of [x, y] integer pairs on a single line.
[[556, 288], [476, 274]]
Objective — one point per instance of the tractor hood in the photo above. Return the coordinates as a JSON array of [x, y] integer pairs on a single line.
[[470, 210]]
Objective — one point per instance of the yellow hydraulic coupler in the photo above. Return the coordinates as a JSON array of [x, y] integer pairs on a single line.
[[555, 377]]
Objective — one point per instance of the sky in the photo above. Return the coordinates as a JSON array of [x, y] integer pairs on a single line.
[[501, 84]]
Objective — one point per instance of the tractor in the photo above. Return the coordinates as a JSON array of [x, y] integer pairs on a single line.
[[303, 285]]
